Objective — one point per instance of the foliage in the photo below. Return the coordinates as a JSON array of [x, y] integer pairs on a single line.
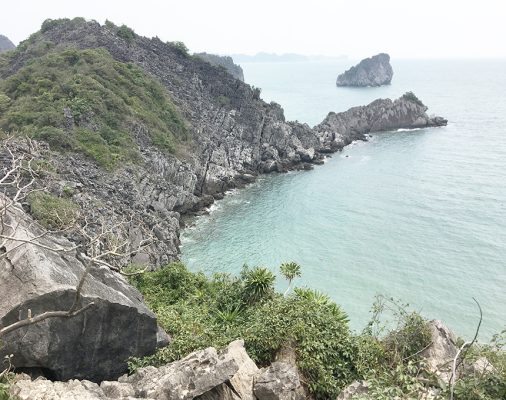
[[51, 211], [258, 283], [104, 98], [410, 96], [126, 33], [199, 311], [180, 47]]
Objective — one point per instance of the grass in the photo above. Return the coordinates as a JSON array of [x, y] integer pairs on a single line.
[[103, 98]]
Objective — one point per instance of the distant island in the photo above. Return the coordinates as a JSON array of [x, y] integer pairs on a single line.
[[373, 71], [6, 44], [285, 57]]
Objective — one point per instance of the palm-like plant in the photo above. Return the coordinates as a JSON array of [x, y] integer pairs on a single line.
[[290, 271], [258, 283]]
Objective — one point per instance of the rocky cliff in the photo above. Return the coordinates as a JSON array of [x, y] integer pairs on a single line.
[[233, 134], [373, 71], [5, 44], [225, 62]]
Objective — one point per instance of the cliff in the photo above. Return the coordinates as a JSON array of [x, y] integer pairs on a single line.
[[5, 44], [168, 132], [225, 62], [373, 71]]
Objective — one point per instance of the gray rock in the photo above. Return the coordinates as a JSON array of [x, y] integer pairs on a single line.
[[280, 381], [42, 389], [222, 392], [6, 44], [443, 349], [242, 381], [354, 389], [373, 71], [94, 344], [223, 61]]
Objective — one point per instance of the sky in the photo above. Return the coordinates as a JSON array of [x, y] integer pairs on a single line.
[[357, 28]]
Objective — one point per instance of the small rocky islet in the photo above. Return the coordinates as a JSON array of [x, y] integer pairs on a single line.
[[224, 136], [373, 71]]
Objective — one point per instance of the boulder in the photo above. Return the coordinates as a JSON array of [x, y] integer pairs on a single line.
[[354, 389], [373, 71], [442, 350], [94, 344], [279, 381], [242, 381]]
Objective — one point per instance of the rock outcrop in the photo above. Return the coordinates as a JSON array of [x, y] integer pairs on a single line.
[[6, 44], [235, 136], [407, 112], [279, 381], [94, 344], [373, 71], [205, 375], [223, 61]]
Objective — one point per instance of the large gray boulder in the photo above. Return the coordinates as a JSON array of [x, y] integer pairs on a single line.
[[94, 344], [373, 71], [279, 381], [205, 374]]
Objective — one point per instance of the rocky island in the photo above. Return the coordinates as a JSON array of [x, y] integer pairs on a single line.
[[5, 44], [373, 71], [128, 137]]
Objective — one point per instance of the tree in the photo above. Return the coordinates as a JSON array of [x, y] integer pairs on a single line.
[[258, 283], [290, 271]]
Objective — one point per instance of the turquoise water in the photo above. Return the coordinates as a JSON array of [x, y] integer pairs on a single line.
[[418, 215]]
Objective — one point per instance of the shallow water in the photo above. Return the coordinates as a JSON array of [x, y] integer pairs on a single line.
[[418, 215]]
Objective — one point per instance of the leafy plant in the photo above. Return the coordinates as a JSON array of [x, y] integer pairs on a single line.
[[51, 211], [126, 33], [290, 271], [258, 283]]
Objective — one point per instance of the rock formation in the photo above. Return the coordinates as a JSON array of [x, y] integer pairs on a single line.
[[223, 61], [205, 375], [94, 344], [235, 136], [373, 71], [5, 44]]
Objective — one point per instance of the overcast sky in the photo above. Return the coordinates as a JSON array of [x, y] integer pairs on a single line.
[[357, 28]]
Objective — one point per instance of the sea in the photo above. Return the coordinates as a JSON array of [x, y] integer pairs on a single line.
[[418, 215]]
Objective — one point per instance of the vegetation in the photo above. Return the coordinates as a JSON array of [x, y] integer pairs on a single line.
[[51, 211], [410, 96], [126, 33], [85, 101]]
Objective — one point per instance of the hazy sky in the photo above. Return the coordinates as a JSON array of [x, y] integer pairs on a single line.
[[358, 28]]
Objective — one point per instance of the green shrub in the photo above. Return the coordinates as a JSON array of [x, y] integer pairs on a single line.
[[410, 96], [180, 47], [99, 92], [51, 211], [199, 311], [126, 33]]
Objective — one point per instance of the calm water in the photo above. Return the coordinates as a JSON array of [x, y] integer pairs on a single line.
[[417, 215]]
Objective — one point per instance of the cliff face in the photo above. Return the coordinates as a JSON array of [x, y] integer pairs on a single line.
[[233, 135], [5, 44], [225, 62], [374, 71]]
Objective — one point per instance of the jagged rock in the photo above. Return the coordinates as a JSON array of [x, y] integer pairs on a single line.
[[5, 44], [94, 344], [407, 112], [235, 135], [280, 381], [354, 389], [480, 366], [442, 350], [223, 61], [204, 374], [373, 71]]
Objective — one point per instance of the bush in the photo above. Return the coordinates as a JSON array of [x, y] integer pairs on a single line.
[[410, 96], [51, 211], [180, 47], [126, 33], [98, 92], [199, 311]]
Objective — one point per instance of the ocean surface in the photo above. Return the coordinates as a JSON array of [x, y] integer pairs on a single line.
[[417, 215]]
